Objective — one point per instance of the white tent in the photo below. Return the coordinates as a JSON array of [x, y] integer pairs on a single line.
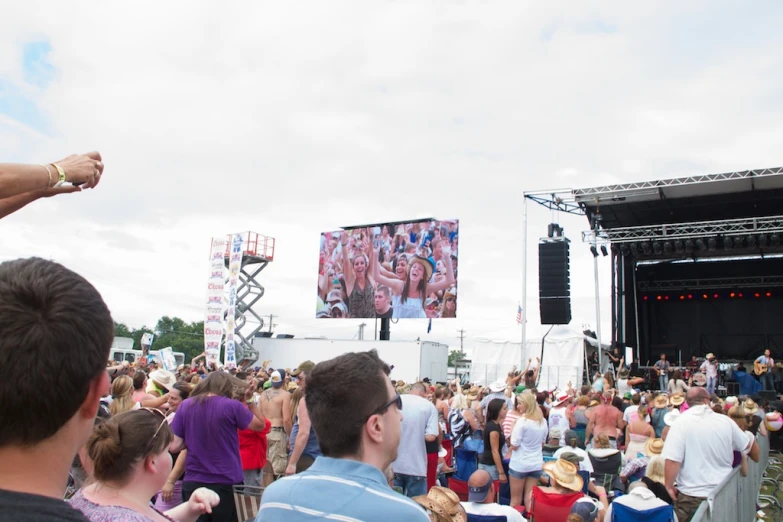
[[562, 358]]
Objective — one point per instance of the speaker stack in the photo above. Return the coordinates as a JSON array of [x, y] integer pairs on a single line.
[[554, 286]]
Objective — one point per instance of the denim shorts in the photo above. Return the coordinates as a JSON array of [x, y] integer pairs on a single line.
[[492, 470], [523, 475]]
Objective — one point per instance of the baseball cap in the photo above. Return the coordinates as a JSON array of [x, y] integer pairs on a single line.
[[267, 385], [479, 493], [554, 433], [276, 379], [572, 457], [586, 509], [306, 367], [627, 395]]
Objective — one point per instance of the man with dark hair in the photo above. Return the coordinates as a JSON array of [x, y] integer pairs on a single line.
[[383, 309], [55, 335], [357, 415]]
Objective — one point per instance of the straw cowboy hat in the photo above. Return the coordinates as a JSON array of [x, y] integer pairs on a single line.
[[676, 399], [426, 264], [163, 378], [710, 356], [661, 401], [564, 473], [653, 447], [670, 417], [624, 373], [593, 402], [750, 406], [444, 504], [473, 393]]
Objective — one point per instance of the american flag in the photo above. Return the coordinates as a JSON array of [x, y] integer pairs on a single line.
[[519, 314]]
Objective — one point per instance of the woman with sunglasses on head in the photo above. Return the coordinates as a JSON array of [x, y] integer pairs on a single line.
[[170, 495], [129, 458], [206, 425]]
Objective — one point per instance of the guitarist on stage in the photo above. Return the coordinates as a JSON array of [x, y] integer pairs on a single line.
[[710, 369], [661, 367], [762, 367]]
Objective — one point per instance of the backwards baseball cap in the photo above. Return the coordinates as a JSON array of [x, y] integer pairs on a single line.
[[586, 509], [479, 493], [276, 379], [306, 367]]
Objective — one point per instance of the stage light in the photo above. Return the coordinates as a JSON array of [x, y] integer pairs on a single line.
[[594, 251], [715, 296], [668, 247], [604, 251], [774, 240], [732, 295], [679, 246], [705, 296], [647, 248], [682, 298], [634, 250], [666, 298], [658, 248], [700, 244], [689, 246], [727, 243], [751, 241], [645, 298], [757, 294], [712, 243], [762, 240], [690, 296], [769, 294], [739, 295], [624, 250]]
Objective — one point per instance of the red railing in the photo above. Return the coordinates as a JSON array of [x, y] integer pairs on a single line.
[[255, 245]]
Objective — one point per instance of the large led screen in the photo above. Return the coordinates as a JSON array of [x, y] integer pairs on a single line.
[[396, 271]]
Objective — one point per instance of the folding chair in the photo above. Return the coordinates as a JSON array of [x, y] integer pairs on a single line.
[[622, 513], [551, 507], [606, 471], [247, 500], [460, 487]]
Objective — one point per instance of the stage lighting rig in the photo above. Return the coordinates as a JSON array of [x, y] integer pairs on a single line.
[[658, 248], [634, 250], [750, 241], [727, 243], [700, 244], [678, 246], [774, 240], [689, 246], [712, 244], [646, 248], [604, 251], [668, 247], [624, 250], [594, 250], [762, 240]]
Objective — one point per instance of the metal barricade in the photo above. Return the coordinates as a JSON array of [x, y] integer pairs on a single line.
[[735, 498], [549, 378]]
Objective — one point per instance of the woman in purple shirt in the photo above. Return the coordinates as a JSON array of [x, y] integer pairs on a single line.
[[206, 425]]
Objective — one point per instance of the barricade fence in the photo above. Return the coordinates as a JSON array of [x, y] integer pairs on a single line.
[[549, 377], [735, 498]]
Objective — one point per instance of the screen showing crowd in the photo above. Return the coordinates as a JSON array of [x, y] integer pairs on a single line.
[[397, 271]]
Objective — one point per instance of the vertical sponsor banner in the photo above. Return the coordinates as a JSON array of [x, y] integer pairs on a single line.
[[234, 266], [213, 322]]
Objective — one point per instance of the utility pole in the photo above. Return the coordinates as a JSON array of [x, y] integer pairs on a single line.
[[271, 318], [361, 331], [461, 340]]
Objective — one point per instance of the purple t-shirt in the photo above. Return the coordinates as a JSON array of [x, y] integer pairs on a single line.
[[209, 429]]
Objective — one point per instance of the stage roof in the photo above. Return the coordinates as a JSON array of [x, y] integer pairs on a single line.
[[710, 197]]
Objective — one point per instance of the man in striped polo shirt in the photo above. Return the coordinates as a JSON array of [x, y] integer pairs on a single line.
[[357, 417]]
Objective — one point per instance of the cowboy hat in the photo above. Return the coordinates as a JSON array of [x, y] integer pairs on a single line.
[[163, 378], [710, 356], [671, 416], [497, 387], [661, 401], [750, 406], [623, 374], [425, 263], [593, 402], [292, 386], [564, 473], [444, 504], [731, 399], [473, 393], [676, 399], [560, 399], [653, 447], [306, 367]]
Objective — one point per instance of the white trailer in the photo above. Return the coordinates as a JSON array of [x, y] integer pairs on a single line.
[[412, 360]]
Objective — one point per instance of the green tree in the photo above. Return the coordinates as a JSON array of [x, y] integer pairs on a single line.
[[454, 356], [187, 338]]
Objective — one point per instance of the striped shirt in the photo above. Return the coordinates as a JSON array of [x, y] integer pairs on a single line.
[[337, 489]]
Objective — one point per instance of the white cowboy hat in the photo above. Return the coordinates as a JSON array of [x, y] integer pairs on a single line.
[[163, 378], [560, 399], [671, 417], [497, 386]]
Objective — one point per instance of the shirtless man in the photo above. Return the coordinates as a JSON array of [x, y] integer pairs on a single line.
[[605, 420], [276, 405]]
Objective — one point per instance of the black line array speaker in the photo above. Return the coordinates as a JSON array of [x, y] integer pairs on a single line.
[[554, 286]]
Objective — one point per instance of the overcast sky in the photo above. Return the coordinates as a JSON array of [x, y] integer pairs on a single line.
[[289, 119]]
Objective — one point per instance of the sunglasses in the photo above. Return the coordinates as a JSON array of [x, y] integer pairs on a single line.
[[164, 421], [396, 400]]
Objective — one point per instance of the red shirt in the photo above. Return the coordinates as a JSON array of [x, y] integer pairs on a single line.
[[252, 447]]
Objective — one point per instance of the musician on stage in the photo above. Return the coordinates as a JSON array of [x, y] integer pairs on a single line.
[[662, 367], [710, 369], [762, 367], [592, 361], [615, 357], [693, 364]]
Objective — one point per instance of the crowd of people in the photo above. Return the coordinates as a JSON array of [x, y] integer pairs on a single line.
[[389, 272]]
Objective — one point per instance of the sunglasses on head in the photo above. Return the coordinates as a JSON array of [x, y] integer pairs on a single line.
[[162, 422]]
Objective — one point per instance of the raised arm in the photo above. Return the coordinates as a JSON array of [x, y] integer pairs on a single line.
[[395, 284], [449, 280], [350, 277]]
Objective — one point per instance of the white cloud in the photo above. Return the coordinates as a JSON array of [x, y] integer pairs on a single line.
[[289, 120]]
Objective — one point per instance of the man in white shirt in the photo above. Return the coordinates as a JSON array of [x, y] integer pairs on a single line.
[[481, 499], [497, 391], [710, 369], [710, 439], [639, 498], [559, 416], [419, 425]]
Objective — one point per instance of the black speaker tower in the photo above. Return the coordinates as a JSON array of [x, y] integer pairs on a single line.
[[554, 286]]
